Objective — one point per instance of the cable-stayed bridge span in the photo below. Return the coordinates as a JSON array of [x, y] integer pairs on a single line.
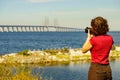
[[36, 28]]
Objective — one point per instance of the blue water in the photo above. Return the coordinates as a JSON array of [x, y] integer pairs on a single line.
[[18, 41], [73, 71]]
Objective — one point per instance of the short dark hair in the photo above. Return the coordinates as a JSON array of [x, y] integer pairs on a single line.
[[99, 26]]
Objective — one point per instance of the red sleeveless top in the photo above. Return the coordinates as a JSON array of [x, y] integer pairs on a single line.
[[101, 46]]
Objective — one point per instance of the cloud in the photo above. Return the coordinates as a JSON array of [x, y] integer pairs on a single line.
[[41, 1]]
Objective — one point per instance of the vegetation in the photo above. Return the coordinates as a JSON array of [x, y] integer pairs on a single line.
[[114, 55], [55, 51], [52, 55], [51, 51], [9, 59], [61, 56], [113, 47], [64, 50], [24, 52], [15, 73]]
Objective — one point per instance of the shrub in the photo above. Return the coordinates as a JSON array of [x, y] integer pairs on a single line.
[[24, 52], [113, 47]]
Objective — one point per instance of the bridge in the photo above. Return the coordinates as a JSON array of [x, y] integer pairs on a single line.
[[33, 28]]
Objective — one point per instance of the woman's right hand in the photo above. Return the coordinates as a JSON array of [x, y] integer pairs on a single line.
[[89, 35], [87, 45]]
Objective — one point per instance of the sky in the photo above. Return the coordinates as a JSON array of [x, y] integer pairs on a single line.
[[65, 13]]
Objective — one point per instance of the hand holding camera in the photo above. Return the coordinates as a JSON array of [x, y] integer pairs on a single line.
[[88, 29]]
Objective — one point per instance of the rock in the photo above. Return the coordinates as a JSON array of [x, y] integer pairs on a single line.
[[118, 48]]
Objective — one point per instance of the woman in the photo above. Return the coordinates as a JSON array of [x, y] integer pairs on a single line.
[[99, 44]]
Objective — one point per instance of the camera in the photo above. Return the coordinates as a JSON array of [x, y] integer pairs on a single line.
[[86, 30]]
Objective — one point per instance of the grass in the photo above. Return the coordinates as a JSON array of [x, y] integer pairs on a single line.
[[55, 51], [114, 55], [15, 73], [24, 52]]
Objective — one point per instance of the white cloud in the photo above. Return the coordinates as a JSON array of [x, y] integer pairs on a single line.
[[41, 1]]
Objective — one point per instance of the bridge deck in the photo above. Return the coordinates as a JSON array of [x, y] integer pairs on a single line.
[[27, 28]]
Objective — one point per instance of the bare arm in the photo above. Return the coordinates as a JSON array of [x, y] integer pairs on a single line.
[[87, 45]]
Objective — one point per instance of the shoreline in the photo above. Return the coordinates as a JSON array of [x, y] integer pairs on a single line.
[[51, 56]]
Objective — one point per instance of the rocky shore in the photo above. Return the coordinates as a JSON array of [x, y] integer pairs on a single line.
[[52, 56]]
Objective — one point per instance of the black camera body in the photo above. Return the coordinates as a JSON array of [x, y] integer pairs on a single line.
[[86, 30]]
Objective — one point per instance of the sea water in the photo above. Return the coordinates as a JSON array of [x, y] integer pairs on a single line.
[[11, 42]]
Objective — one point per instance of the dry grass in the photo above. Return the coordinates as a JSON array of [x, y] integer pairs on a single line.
[[13, 72]]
